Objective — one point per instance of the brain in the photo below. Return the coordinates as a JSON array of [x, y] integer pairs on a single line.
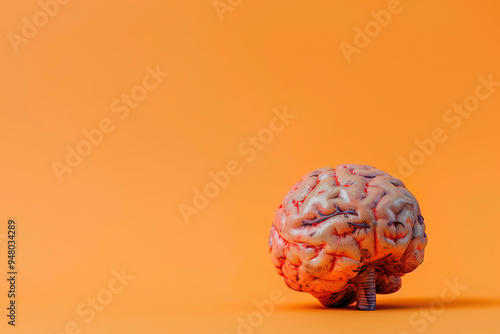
[[343, 234]]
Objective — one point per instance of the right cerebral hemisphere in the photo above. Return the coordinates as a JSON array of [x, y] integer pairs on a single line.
[[343, 234]]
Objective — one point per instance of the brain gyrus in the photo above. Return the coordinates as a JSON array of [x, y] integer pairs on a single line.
[[343, 234]]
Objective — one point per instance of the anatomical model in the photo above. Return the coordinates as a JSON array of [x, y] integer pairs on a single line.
[[344, 234]]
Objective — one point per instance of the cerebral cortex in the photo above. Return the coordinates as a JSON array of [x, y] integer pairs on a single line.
[[335, 222]]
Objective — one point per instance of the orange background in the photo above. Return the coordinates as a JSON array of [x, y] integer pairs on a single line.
[[120, 207]]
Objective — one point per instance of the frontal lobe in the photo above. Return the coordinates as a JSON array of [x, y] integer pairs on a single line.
[[335, 221]]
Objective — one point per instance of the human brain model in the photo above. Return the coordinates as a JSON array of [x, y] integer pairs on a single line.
[[344, 234]]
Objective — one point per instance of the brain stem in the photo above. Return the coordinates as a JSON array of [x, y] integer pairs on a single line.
[[365, 289]]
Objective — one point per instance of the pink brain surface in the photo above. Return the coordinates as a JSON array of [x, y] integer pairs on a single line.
[[344, 234]]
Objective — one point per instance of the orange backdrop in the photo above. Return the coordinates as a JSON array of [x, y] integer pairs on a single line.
[[118, 117]]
